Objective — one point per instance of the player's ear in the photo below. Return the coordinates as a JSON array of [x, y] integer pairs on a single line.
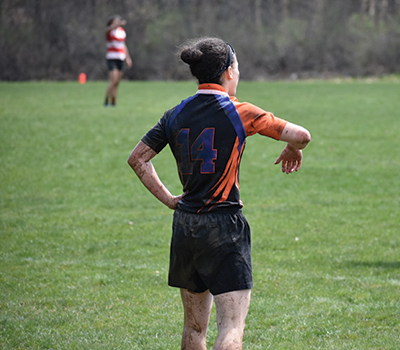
[[228, 73]]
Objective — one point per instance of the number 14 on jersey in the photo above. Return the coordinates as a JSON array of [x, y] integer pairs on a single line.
[[202, 149]]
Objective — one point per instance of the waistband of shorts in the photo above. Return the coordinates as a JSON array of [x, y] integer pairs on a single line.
[[230, 211]]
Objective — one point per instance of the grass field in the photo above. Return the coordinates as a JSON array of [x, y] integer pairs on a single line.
[[84, 247]]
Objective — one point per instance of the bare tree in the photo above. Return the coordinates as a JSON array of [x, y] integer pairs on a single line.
[[56, 39]]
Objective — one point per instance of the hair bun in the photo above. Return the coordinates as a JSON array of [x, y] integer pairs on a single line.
[[191, 55]]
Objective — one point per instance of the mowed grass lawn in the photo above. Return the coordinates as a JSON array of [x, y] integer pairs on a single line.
[[84, 247]]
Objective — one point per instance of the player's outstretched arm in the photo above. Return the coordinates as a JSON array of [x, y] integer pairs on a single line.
[[297, 138], [140, 162], [115, 24]]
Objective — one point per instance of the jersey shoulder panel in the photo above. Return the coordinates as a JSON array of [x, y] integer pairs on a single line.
[[256, 120], [157, 137]]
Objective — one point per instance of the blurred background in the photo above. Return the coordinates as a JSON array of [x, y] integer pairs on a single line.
[[274, 39]]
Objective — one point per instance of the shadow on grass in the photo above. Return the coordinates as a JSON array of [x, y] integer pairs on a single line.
[[374, 264]]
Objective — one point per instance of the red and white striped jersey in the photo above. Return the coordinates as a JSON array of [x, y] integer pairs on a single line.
[[116, 44]]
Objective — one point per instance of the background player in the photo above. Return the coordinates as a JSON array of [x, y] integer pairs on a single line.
[[210, 256], [117, 54]]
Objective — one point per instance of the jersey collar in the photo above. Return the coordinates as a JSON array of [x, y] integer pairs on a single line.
[[214, 89]]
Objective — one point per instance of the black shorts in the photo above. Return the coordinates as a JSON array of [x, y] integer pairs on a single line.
[[210, 251], [115, 64]]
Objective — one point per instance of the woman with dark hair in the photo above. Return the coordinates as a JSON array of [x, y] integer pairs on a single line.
[[210, 256], [117, 54]]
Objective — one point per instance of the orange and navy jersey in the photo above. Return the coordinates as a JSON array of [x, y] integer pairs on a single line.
[[207, 135], [115, 40]]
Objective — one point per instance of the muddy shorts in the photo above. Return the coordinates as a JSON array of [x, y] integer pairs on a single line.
[[210, 251]]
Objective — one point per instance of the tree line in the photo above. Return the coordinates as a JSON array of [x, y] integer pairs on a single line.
[[58, 39]]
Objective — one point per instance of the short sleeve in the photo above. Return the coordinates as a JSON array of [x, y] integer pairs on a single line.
[[257, 121], [156, 137]]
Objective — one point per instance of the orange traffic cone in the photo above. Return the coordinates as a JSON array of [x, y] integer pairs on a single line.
[[82, 78]]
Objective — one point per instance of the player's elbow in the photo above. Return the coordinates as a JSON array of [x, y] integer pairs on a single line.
[[296, 135], [299, 138], [303, 137], [140, 158], [133, 161], [137, 164]]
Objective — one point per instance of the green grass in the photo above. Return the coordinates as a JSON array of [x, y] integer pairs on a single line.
[[84, 247]]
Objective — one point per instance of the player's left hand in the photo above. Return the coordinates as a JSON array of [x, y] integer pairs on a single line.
[[173, 204], [291, 158], [129, 62]]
